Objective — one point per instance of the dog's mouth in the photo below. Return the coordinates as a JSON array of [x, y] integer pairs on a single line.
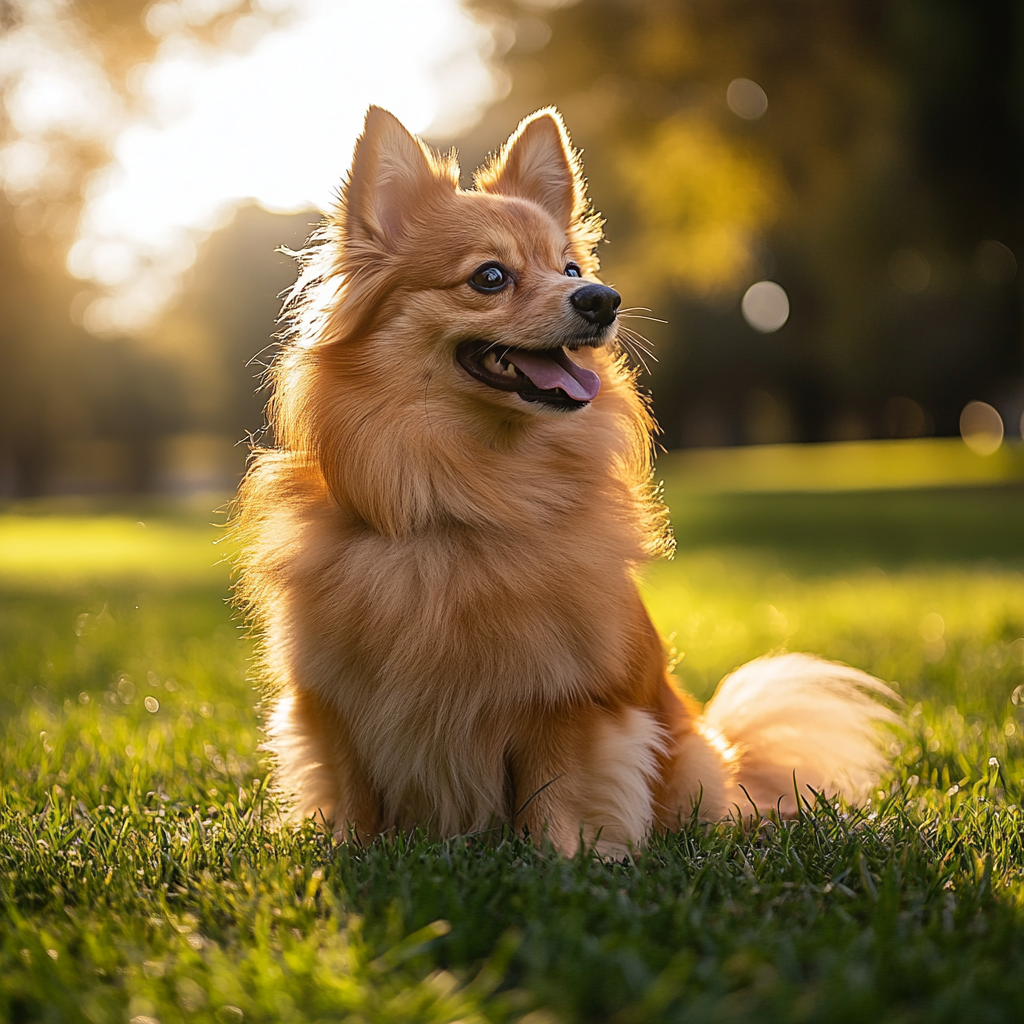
[[548, 375]]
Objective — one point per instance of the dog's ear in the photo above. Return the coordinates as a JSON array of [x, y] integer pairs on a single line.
[[392, 175], [539, 163]]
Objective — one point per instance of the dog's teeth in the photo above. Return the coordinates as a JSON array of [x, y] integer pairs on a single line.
[[498, 365]]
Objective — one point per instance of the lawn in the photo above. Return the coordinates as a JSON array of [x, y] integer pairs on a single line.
[[142, 878]]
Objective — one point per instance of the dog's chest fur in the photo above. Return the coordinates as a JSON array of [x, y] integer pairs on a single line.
[[440, 650]]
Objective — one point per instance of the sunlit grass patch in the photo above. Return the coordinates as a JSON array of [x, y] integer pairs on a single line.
[[841, 466], [931, 629], [143, 877], [115, 694], [58, 551]]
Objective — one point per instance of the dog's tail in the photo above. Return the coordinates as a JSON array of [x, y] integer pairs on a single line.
[[796, 717]]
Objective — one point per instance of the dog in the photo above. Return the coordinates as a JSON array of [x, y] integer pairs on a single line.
[[440, 550]]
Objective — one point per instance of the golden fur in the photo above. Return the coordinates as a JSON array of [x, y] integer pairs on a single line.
[[443, 574]]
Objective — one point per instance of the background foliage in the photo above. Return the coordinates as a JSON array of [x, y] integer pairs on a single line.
[[881, 186], [60, 383]]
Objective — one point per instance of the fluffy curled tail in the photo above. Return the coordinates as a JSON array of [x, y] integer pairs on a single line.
[[797, 715]]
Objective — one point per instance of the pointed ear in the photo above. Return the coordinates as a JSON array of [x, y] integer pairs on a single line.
[[539, 163], [392, 174]]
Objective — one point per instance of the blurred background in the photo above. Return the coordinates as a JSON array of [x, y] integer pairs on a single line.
[[822, 203], [818, 203]]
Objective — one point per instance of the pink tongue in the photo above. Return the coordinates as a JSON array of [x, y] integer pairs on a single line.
[[554, 369]]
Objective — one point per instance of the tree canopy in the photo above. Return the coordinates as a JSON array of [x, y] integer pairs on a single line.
[[864, 158]]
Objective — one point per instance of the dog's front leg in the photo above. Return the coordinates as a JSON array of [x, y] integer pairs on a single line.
[[587, 774], [316, 768]]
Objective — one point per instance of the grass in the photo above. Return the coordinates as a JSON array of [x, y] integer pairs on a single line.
[[844, 466], [141, 878]]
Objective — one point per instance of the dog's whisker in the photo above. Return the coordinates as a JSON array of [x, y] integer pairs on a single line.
[[635, 334], [640, 316], [637, 358], [638, 355], [639, 341]]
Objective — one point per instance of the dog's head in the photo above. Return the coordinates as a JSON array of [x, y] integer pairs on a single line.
[[489, 294], [452, 348]]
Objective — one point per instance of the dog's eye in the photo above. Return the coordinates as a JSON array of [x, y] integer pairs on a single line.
[[573, 270], [491, 277]]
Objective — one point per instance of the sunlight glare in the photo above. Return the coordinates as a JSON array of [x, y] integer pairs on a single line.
[[276, 124]]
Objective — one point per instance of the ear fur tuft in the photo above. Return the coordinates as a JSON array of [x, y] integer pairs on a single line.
[[538, 163], [392, 173]]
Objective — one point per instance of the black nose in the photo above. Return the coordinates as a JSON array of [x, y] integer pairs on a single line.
[[596, 303]]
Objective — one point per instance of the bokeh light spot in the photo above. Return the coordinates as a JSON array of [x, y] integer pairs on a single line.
[[125, 689], [765, 306], [995, 263], [903, 417], [933, 627], [981, 428], [910, 271], [746, 99]]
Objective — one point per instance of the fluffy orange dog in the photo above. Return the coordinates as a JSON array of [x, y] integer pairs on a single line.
[[441, 551]]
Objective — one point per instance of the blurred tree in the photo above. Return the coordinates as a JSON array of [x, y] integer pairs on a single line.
[[865, 155], [68, 84], [221, 329]]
